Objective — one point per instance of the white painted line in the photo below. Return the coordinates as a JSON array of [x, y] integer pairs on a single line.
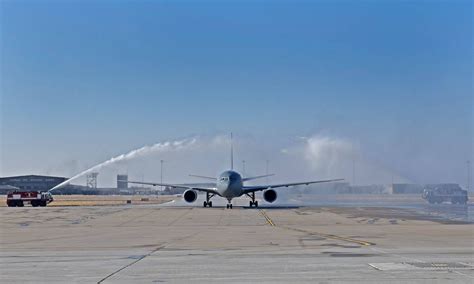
[[387, 266], [463, 274]]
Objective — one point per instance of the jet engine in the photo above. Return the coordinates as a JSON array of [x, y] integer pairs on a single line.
[[190, 195], [270, 195]]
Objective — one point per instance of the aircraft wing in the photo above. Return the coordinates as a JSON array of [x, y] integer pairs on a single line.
[[249, 189], [197, 188]]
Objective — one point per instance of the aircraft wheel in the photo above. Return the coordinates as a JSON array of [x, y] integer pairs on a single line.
[[227, 206], [204, 204], [210, 203], [250, 203], [230, 206], [256, 203]]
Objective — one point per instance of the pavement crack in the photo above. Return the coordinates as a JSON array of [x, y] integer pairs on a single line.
[[331, 236], [130, 264], [180, 216], [136, 218]]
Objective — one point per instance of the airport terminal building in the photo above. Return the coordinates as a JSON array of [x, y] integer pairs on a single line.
[[32, 182]]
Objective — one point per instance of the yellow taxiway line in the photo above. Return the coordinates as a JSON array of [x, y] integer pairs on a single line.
[[269, 221]]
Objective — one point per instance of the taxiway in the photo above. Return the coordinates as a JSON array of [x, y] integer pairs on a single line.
[[170, 243]]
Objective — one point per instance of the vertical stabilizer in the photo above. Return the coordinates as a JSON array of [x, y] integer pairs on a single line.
[[231, 152]]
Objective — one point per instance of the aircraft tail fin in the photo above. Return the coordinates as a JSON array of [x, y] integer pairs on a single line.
[[231, 153]]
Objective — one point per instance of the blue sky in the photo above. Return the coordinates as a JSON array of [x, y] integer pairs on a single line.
[[88, 80]]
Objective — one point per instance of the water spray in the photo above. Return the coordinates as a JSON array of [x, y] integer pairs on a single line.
[[158, 147]]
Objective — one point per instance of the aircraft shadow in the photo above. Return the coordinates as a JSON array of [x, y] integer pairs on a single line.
[[272, 207]]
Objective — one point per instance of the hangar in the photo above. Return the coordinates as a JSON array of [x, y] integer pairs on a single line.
[[32, 182]]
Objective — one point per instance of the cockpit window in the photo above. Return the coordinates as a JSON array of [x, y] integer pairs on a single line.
[[224, 178]]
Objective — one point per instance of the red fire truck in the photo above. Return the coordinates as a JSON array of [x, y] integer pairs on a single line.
[[35, 198]]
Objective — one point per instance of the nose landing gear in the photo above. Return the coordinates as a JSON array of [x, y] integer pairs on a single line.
[[229, 205]]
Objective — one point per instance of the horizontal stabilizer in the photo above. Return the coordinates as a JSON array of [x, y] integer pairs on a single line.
[[256, 177], [183, 186], [204, 177]]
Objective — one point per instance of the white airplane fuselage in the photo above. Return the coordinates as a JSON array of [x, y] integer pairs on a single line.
[[229, 184]]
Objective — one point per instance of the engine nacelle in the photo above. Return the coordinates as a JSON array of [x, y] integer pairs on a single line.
[[190, 195], [270, 195]]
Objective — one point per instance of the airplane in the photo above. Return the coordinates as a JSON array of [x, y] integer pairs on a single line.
[[229, 185]]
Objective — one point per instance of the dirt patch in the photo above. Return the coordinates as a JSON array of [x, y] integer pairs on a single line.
[[339, 246], [101, 200], [344, 254]]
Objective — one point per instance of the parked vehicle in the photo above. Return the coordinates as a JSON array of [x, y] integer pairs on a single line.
[[35, 198], [439, 194]]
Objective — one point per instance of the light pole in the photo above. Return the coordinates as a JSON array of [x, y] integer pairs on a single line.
[[161, 174], [353, 165], [266, 170], [353, 171], [468, 175]]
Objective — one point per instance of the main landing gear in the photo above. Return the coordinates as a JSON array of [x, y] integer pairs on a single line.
[[208, 198], [252, 202]]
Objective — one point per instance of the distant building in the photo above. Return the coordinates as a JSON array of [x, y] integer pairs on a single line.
[[406, 188], [367, 189], [324, 188], [32, 182], [122, 182]]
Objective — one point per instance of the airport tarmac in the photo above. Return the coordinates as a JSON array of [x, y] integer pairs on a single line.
[[175, 243]]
